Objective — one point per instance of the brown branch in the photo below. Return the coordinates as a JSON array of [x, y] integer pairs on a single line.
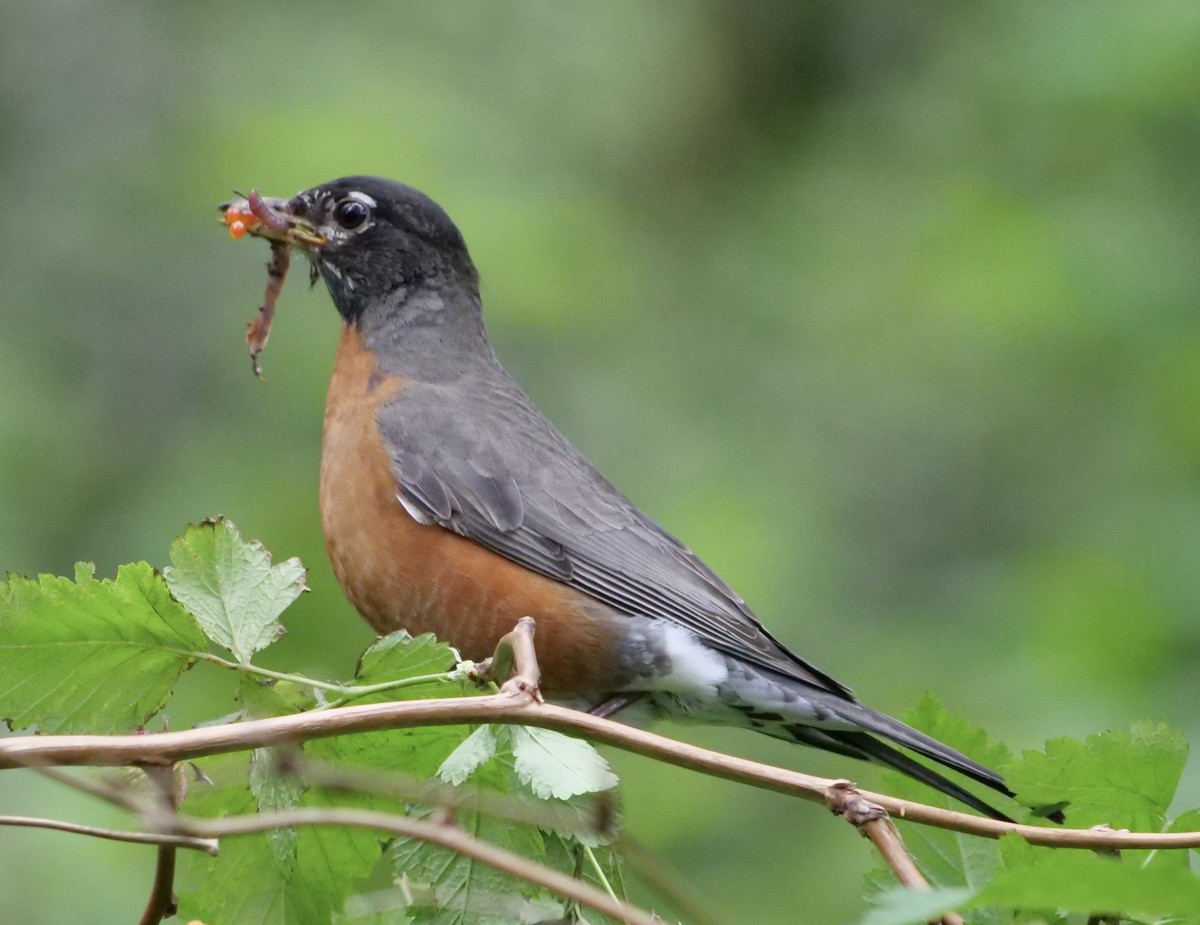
[[207, 845], [163, 903], [165, 748], [447, 836], [872, 822], [543, 814], [100, 789]]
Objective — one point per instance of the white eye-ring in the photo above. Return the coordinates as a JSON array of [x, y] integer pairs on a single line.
[[353, 212]]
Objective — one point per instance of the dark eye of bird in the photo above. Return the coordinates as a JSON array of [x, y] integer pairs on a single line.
[[351, 214]]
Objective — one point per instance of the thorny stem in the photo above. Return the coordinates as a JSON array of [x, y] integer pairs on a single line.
[[170, 747], [447, 836]]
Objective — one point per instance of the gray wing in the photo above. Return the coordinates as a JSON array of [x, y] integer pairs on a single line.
[[512, 483]]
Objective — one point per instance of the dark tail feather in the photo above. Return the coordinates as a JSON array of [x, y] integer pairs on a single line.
[[861, 744], [920, 743], [873, 749]]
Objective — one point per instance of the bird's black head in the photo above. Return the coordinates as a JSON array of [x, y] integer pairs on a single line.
[[381, 237]]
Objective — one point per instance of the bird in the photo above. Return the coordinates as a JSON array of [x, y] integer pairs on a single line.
[[451, 505]]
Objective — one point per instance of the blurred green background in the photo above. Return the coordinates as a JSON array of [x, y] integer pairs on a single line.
[[890, 310]]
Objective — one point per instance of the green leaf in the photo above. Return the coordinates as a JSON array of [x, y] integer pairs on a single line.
[[274, 791], [550, 764], [948, 859], [417, 751], [231, 586], [450, 889], [399, 655], [568, 855], [465, 760], [1125, 779], [91, 656], [555, 765], [1186, 822], [932, 718], [901, 906], [250, 881], [378, 907], [261, 698], [1081, 881]]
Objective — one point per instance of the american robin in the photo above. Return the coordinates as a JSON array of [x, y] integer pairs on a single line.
[[451, 505]]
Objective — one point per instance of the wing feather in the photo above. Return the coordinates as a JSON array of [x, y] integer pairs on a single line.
[[512, 483]]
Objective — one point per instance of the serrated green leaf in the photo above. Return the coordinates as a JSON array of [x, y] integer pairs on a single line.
[[417, 751], [246, 884], [261, 698], [932, 718], [900, 906], [231, 586], [250, 882], [555, 765], [1017, 854], [91, 656], [399, 655], [1186, 822], [1125, 779], [950, 860], [465, 760], [1081, 881], [569, 855], [450, 889], [274, 791], [378, 907]]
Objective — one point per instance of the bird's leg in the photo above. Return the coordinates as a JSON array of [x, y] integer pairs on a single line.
[[615, 704], [515, 659]]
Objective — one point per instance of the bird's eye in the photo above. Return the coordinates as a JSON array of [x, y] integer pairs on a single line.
[[351, 214]]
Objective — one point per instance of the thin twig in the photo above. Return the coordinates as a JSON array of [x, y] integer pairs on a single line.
[[163, 903], [102, 790], [348, 691], [207, 845], [164, 748], [872, 822], [447, 836], [546, 815]]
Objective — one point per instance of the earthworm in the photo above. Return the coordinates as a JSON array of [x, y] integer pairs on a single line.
[[277, 267], [265, 214]]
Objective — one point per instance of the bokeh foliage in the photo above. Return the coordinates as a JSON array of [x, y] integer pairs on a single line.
[[890, 310]]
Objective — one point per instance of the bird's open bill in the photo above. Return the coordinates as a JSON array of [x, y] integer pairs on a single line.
[[268, 217]]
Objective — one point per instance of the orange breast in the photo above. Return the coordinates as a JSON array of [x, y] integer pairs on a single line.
[[400, 574]]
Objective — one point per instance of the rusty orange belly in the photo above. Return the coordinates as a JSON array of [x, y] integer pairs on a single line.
[[401, 574]]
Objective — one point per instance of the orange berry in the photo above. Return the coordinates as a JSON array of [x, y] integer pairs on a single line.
[[237, 229]]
